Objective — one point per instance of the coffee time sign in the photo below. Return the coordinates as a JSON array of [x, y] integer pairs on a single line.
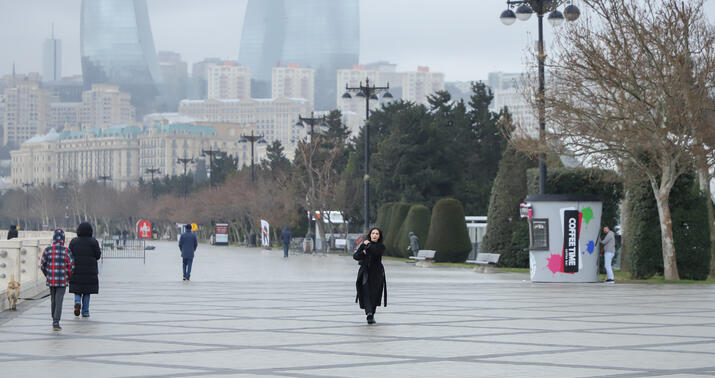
[[571, 222]]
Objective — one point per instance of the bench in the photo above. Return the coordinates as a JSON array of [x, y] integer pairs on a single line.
[[424, 257], [484, 261]]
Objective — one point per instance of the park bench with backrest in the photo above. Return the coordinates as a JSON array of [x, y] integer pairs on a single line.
[[424, 255], [486, 259]]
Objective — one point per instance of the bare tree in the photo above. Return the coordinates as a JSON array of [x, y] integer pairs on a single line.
[[631, 84]]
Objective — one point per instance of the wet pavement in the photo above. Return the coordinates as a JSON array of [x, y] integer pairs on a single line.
[[249, 312]]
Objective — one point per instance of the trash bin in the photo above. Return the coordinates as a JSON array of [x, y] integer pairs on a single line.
[[563, 237]]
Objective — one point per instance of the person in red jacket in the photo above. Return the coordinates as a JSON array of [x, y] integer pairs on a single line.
[[57, 265]]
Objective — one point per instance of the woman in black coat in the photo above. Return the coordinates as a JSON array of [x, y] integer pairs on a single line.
[[84, 280], [371, 283]]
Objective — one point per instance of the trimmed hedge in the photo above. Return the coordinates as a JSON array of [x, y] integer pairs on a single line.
[[691, 234], [383, 215], [417, 221], [448, 233], [642, 231], [392, 231], [508, 191], [604, 183]]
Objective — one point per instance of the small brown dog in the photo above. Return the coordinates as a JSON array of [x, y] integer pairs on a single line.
[[13, 292]]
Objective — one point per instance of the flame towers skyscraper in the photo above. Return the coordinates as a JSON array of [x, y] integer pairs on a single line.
[[320, 34], [117, 47]]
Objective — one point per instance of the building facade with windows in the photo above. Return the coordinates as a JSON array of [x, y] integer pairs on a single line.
[[293, 81], [320, 34]]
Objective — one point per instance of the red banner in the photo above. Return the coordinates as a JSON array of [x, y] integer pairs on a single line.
[[144, 229]]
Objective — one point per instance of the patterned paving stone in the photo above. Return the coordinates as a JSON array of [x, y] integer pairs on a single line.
[[248, 312]]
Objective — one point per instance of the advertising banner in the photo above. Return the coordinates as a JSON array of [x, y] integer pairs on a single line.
[[572, 228], [265, 234], [144, 229], [221, 234]]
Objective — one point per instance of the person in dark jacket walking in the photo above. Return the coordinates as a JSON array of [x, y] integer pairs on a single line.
[[84, 282], [187, 245], [371, 283], [57, 265], [285, 237], [12, 232]]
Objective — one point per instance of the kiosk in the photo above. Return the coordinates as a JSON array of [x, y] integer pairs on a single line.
[[564, 232]]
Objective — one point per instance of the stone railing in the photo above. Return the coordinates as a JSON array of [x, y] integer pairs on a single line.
[[21, 257]]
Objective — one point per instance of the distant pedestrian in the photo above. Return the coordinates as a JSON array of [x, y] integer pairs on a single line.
[[57, 264], [84, 282], [124, 237], [414, 243], [187, 245], [609, 250], [285, 237], [12, 232], [371, 283]]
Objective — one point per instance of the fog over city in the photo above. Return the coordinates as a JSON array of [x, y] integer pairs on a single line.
[[462, 38]]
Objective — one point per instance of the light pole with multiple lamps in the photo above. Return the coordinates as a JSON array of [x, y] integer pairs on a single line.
[[151, 171], [211, 154], [524, 10], [104, 179], [252, 139], [27, 187], [185, 161], [369, 93], [312, 121]]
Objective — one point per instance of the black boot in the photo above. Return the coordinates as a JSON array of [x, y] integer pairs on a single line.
[[370, 319]]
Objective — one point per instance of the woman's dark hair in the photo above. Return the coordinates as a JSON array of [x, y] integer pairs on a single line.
[[367, 237]]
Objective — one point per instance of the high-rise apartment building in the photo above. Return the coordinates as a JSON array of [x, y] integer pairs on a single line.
[[175, 84], [293, 81], [52, 59], [27, 109], [199, 78], [417, 85], [118, 48], [507, 91], [228, 80], [104, 106], [65, 115], [319, 34]]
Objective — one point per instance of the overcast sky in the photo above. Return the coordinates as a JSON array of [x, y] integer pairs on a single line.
[[462, 38]]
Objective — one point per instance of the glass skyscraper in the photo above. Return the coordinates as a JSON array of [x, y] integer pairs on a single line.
[[117, 47], [320, 34]]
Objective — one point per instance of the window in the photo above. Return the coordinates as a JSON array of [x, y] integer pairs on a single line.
[[539, 234]]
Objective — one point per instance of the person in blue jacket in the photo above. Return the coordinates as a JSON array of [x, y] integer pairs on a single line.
[[187, 245]]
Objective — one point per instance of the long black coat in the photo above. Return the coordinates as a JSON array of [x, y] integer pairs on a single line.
[[371, 275], [85, 250]]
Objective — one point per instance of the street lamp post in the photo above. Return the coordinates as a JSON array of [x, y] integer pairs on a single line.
[[252, 139], [152, 171], [523, 12], [104, 179], [369, 93], [211, 154], [185, 161], [312, 121], [27, 187]]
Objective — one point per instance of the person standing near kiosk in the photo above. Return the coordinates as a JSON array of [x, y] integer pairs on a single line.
[[609, 250]]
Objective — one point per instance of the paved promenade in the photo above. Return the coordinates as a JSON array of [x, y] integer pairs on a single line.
[[249, 312]]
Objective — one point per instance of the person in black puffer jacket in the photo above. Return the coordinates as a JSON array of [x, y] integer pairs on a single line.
[[84, 281]]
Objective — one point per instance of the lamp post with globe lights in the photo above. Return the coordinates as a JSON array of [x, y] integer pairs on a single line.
[[524, 10], [369, 93]]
